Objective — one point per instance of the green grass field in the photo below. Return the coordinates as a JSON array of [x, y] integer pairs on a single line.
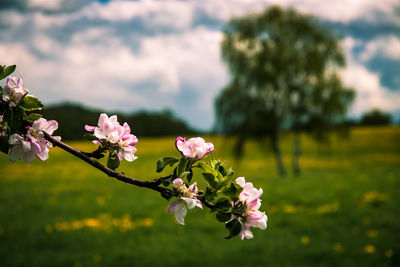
[[342, 211]]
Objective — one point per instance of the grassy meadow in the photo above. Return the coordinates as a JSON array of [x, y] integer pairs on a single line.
[[342, 211]]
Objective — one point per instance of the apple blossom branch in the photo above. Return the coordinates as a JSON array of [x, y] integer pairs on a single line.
[[236, 203]]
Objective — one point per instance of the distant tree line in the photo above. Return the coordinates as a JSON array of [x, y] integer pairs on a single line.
[[73, 117], [374, 117]]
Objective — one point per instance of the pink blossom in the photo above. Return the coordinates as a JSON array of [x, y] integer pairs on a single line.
[[255, 218], [252, 216], [188, 199], [21, 148], [249, 194], [14, 91], [42, 125], [127, 144], [194, 147], [108, 128], [34, 143], [109, 131]]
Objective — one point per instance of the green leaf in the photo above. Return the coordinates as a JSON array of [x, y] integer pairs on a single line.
[[113, 161], [34, 116], [181, 168], [223, 205], [30, 103], [223, 217], [4, 146], [4, 72], [161, 163], [205, 167], [210, 178], [234, 228], [184, 175], [209, 195], [221, 169], [229, 174], [232, 190]]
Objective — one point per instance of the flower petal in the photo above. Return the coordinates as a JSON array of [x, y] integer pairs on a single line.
[[15, 153], [179, 208], [15, 139], [28, 156], [210, 147], [90, 128], [102, 119], [129, 156], [99, 133], [240, 181], [51, 126], [192, 202]]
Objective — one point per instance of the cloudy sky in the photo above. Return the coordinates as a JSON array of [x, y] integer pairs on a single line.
[[131, 55]]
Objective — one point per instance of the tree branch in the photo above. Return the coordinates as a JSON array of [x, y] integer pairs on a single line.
[[154, 185]]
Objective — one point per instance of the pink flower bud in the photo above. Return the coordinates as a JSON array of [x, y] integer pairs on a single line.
[[177, 182]]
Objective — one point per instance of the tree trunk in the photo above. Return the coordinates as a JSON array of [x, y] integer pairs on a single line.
[[278, 156], [296, 153]]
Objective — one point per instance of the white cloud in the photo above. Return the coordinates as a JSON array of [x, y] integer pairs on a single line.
[[343, 11], [348, 44], [224, 10], [175, 14], [45, 4], [334, 10], [349, 10], [12, 18], [369, 92], [45, 44], [388, 46]]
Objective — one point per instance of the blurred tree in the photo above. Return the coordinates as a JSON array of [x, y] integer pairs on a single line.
[[283, 67], [375, 117]]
